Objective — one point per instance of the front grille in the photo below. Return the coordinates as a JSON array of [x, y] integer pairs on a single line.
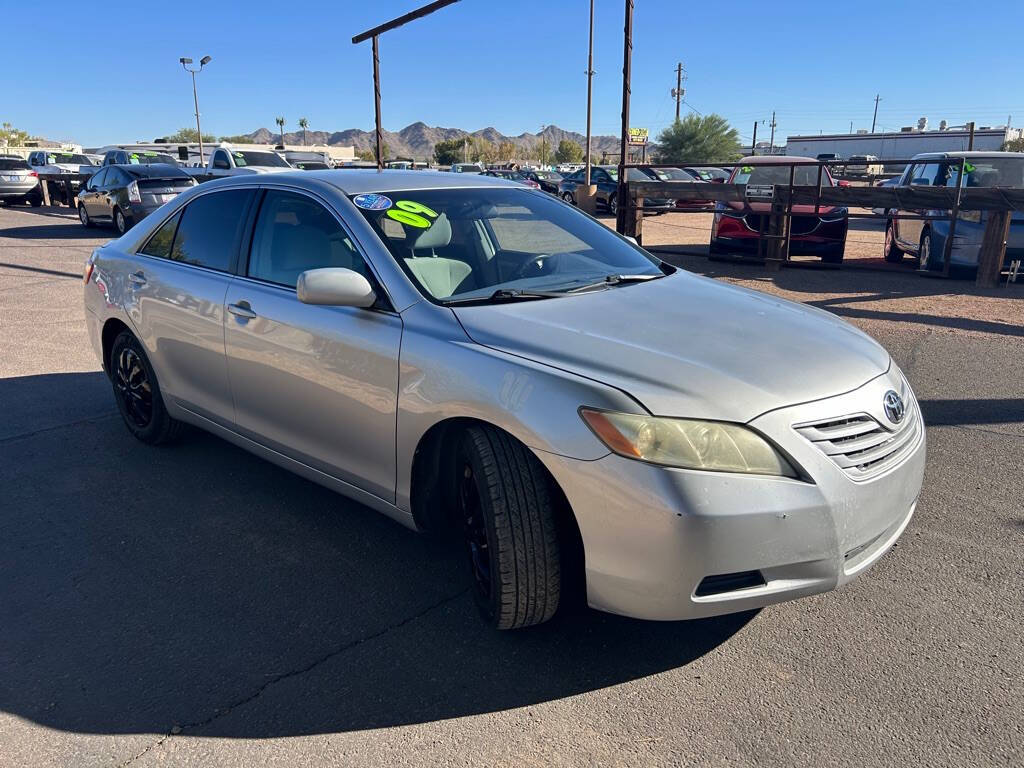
[[802, 225], [860, 445]]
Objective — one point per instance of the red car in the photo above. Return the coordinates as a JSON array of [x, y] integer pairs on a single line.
[[735, 227], [502, 173]]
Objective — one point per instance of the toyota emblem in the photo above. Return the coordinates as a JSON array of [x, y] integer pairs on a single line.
[[894, 407]]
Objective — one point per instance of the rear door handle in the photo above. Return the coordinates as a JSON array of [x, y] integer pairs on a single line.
[[241, 309], [138, 278]]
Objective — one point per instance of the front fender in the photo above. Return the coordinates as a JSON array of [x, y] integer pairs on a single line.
[[444, 375]]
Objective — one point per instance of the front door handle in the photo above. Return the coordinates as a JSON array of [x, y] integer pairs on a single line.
[[242, 309], [137, 278]]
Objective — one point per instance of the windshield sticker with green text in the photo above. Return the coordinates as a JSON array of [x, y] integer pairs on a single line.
[[409, 212]]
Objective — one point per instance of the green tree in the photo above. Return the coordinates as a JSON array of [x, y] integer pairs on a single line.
[[365, 154], [448, 152], [190, 136], [241, 138], [12, 136], [1013, 145], [506, 151], [699, 139], [303, 124], [568, 152], [280, 126]]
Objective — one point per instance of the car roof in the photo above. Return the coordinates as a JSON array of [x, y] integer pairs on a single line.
[[153, 169], [971, 153], [355, 182], [774, 160]]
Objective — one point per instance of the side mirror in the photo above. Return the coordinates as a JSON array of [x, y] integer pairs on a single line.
[[335, 287], [632, 240]]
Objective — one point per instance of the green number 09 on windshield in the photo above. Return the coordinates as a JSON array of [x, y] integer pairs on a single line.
[[409, 212]]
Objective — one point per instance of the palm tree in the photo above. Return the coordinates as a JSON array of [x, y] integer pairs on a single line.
[[303, 124], [280, 125]]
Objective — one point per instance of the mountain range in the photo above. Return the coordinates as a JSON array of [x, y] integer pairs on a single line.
[[417, 140]]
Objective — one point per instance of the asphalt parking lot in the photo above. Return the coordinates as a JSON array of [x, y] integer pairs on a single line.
[[193, 605]]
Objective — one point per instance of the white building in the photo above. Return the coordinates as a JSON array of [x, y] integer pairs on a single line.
[[900, 145]]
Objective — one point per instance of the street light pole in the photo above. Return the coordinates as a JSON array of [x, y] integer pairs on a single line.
[[590, 90], [195, 95]]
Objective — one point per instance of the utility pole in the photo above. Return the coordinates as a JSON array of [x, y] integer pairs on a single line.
[[970, 137], [875, 118], [851, 126], [185, 61], [679, 91], [627, 70], [771, 142], [753, 142], [587, 197]]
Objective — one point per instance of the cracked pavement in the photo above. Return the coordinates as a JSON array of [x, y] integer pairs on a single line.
[[196, 606]]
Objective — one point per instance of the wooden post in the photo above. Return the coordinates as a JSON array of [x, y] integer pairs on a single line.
[[993, 249], [45, 187], [633, 217], [69, 193]]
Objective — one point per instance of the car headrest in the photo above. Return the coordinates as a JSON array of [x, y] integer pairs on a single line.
[[438, 236]]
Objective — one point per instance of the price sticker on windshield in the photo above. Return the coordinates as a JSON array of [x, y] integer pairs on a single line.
[[761, 191], [412, 213]]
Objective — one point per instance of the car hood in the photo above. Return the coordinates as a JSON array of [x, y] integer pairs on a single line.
[[685, 345]]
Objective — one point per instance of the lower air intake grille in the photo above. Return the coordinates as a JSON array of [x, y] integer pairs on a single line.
[[729, 582], [860, 445]]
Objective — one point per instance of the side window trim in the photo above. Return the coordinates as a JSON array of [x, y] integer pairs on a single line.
[[246, 254]]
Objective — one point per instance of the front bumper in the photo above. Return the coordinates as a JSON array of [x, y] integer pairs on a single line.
[[653, 535]]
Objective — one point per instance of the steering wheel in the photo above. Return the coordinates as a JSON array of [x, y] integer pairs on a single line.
[[540, 264]]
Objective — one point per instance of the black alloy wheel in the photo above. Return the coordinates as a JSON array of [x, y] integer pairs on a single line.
[[134, 390]]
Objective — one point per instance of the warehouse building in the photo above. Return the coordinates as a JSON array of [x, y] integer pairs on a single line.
[[901, 145]]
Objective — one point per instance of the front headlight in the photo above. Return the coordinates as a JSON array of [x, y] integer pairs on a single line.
[[837, 215], [687, 443]]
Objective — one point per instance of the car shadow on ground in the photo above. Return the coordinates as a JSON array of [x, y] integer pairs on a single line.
[[60, 231], [199, 588]]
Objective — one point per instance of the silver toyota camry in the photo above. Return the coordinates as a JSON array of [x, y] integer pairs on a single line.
[[468, 355]]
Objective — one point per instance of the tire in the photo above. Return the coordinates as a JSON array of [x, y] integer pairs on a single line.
[[834, 256], [120, 222], [613, 206], [567, 196], [891, 251], [83, 216], [924, 251], [507, 518], [35, 201], [137, 393]]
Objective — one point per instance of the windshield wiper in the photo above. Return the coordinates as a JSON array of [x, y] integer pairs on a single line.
[[610, 280], [507, 294]]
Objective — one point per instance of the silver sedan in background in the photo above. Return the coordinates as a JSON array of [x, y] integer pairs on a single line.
[[468, 355]]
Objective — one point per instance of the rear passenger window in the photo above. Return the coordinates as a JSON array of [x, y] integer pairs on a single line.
[[159, 244], [209, 229], [295, 233]]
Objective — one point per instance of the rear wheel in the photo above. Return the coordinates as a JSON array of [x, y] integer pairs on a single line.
[[567, 196], [138, 394], [508, 524], [36, 200], [892, 252], [120, 222], [613, 205]]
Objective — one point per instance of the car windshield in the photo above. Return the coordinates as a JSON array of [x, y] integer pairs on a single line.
[[468, 243], [244, 157], [69, 158], [149, 158], [804, 175], [673, 174], [548, 175], [632, 174], [12, 164], [989, 172]]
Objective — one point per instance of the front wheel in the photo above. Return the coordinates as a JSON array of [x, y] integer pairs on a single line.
[[508, 524], [83, 216], [892, 252], [613, 205], [567, 196], [924, 251]]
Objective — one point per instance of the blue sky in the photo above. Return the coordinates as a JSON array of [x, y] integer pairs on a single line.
[[514, 65]]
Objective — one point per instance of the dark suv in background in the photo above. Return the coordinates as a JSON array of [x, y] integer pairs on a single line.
[[126, 194]]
